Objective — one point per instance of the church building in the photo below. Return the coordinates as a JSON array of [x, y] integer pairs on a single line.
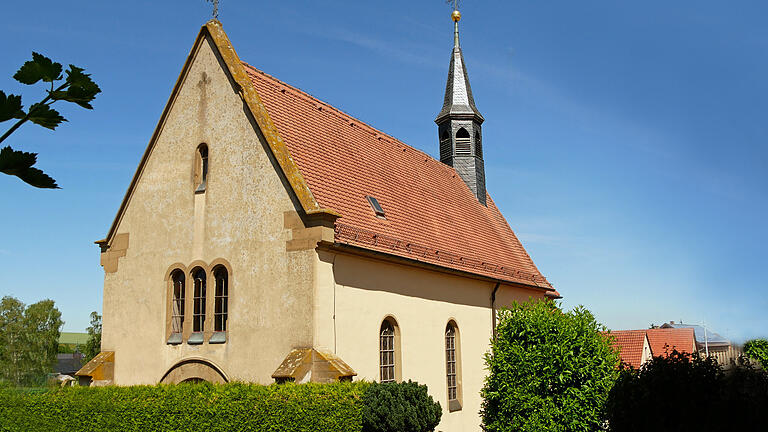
[[266, 236]]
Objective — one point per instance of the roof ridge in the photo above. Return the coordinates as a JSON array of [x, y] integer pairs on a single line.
[[295, 91]]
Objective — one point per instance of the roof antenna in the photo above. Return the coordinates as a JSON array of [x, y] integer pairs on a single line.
[[215, 8]]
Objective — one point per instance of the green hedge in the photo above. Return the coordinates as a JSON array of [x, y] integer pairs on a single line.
[[186, 407]]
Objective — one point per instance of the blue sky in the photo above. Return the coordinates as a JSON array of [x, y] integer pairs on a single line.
[[624, 142]]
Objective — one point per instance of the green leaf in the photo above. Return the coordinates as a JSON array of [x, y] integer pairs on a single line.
[[10, 107], [82, 90], [45, 116], [18, 163], [39, 68]]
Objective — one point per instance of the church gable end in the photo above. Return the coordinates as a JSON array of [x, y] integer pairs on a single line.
[[213, 186]]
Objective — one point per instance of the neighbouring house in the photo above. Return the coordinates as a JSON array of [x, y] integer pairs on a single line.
[[638, 346], [633, 346], [268, 236], [709, 343], [68, 363]]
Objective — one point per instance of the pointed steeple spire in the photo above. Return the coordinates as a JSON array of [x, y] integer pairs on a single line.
[[458, 123], [458, 93]]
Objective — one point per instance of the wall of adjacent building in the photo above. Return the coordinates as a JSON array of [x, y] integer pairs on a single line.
[[354, 294], [240, 218]]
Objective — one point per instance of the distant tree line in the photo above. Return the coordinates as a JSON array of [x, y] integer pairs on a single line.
[[29, 340]]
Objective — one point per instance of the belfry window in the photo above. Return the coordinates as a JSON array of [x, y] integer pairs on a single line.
[[463, 145], [221, 297], [198, 306], [445, 145], [389, 351], [177, 307], [201, 168], [478, 145]]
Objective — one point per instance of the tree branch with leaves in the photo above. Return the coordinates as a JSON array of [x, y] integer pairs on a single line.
[[76, 87]]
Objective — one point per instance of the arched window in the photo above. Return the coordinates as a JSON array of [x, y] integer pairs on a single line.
[[201, 168], [177, 306], [389, 351], [220, 299], [463, 142], [478, 144], [453, 366], [198, 306]]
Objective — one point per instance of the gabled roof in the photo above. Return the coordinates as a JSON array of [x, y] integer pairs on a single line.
[[430, 213], [630, 345], [663, 341], [332, 161]]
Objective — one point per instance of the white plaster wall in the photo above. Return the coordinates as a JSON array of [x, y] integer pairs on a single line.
[[363, 292]]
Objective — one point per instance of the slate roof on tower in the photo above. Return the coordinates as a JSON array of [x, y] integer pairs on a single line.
[[431, 215]]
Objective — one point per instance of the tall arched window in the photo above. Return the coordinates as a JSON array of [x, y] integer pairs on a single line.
[[177, 307], [389, 351], [201, 168], [220, 299], [478, 144], [463, 142], [198, 306], [453, 366]]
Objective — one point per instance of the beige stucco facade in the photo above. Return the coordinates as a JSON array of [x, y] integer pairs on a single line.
[[290, 286]]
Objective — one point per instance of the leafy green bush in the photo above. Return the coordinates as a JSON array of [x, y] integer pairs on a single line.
[[684, 392], [401, 407], [758, 350], [186, 407], [548, 370]]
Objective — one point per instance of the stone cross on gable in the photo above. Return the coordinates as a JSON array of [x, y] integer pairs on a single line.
[[215, 8]]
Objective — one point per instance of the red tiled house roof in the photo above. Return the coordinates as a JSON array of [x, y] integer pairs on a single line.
[[630, 344], [431, 214], [664, 340]]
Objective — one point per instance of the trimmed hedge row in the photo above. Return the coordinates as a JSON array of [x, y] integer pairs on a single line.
[[338, 407], [186, 407]]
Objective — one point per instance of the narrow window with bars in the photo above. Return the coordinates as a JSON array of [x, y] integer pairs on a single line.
[[387, 352], [198, 306], [220, 300], [450, 361], [177, 307]]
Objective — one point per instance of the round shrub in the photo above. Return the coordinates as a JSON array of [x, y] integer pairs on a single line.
[[399, 407], [548, 370]]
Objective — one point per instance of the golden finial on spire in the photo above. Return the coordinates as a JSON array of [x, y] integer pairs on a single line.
[[456, 15]]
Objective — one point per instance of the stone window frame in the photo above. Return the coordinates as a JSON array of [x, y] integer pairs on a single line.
[[454, 404], [208, 334], [201, 168], [175, 336], [220, 304], [198, 277], [395, 373]]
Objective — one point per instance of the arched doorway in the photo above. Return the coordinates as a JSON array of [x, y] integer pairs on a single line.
[[192, 371]]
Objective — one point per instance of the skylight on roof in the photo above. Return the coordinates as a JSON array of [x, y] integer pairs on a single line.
[[375, 206]]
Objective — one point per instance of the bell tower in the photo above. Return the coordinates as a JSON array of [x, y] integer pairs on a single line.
[[458, 124]]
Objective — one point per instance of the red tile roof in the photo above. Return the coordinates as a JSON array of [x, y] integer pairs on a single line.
[[431, 215], [663, 340], [630, 345]]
